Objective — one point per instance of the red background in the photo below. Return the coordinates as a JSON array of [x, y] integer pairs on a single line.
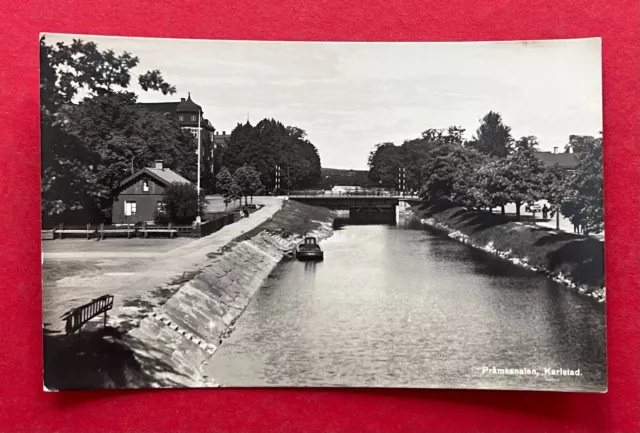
[[25, 407]]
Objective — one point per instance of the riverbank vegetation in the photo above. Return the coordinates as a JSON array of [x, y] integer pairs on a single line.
[[568, 258], [492, 169]]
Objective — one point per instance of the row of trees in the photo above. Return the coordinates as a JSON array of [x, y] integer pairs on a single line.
[[90, 146], [271, 144], [245, 182], [493, 169]]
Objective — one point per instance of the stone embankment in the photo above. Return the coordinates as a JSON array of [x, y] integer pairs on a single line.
[[572, 260], [173, 344]]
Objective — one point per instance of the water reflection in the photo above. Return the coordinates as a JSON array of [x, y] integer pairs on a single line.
[[392, 305]]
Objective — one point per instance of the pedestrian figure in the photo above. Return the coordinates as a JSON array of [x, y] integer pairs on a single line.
[[545, 211]]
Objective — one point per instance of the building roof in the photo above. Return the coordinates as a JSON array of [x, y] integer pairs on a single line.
[[188, 105], [165, 176], [184, 105], [564, 160], [160, 107]]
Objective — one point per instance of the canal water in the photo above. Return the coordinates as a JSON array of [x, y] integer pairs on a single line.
[[399, 306]]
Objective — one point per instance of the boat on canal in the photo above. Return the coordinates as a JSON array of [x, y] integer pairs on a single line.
[[309, 249]]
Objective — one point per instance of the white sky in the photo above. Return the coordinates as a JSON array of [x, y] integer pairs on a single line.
[[350, 96]]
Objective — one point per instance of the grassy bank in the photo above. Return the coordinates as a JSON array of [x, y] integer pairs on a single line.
[[573, 260], [293, 219]]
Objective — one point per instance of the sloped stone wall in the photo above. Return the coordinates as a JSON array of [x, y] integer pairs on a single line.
[[174, 342]]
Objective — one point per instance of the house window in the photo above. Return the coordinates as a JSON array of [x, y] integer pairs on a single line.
[[181, 117], [145, 185], [193, 118], [211, 168], [130, 208], [211, 136], [160, 207]]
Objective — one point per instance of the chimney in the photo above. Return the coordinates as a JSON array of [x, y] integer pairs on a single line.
[[555, 150], [159, 164], [224, 132], [182, 99]]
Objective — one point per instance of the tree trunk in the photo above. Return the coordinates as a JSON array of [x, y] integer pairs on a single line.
[[518, 204], [245, 200], [502, 210], [558, 219]]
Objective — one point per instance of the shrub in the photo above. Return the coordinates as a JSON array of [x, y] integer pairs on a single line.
[[181, 203]]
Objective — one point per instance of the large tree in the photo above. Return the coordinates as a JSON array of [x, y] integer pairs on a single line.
[[584, 204], [227, 186], [126, 139], [270, 144], [247, 178], [446, 172], [556, 190], [493, 137], [67, 72], [384, 162], [523, 174]]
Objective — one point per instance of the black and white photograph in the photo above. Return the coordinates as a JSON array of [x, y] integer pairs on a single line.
[[322, 214]]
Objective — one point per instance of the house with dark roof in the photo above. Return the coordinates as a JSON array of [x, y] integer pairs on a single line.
[[566, 160], [212, 143], [140, 195]]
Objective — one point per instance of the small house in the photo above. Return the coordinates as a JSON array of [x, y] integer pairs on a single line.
[[140, 195]]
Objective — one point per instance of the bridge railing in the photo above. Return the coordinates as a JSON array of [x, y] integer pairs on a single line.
[[345, 194]]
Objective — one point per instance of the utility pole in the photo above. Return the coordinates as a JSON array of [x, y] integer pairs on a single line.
[[199, 157]]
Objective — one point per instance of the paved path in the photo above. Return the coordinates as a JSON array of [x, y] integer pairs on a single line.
[[138, 282]]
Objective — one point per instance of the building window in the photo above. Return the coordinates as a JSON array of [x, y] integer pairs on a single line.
[[211, 168], [211, 136], [130, 208], [145, 185], [193, 118], [160, 207], [181, 117]]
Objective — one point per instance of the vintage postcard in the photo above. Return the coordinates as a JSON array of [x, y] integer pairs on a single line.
[[268, 214]]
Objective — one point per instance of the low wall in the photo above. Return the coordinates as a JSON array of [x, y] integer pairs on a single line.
[[573, 260], [174, 343]]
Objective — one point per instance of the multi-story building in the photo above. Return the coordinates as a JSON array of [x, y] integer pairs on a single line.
[[191, 117]]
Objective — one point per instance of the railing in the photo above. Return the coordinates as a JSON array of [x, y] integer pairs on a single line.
[[78, 317], [103, 231], [364, 194]]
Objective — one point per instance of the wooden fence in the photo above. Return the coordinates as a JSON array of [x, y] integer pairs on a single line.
[[214, 225], [141, 231]]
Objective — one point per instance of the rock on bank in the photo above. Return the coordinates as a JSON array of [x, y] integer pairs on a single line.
[[572, 260], [173, 344]]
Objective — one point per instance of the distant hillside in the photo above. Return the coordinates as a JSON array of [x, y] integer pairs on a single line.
[[336, 176]]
